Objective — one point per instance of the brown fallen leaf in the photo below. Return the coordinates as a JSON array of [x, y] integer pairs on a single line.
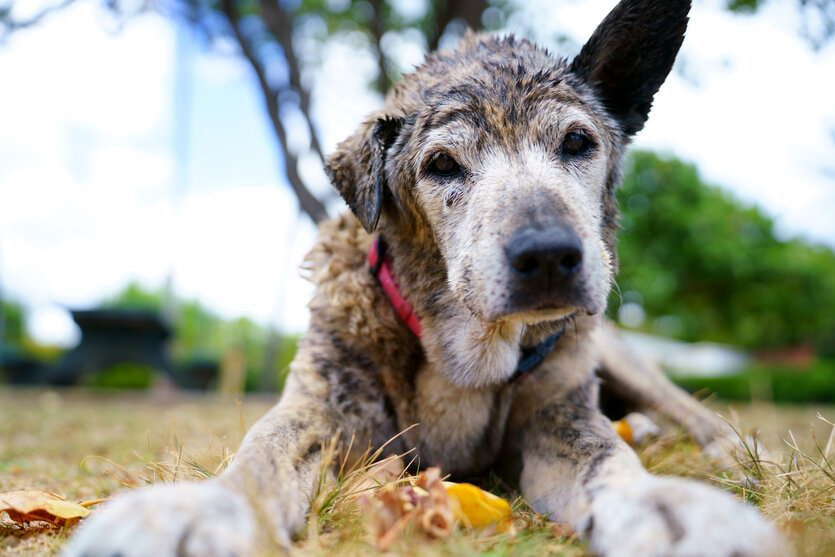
[[38, 505], [393, 508], [432, 507]]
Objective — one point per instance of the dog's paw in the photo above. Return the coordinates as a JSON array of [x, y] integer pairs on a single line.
[[202, 519], [673, 517]]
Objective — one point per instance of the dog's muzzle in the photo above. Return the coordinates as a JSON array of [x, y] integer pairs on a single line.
[[544, 264]]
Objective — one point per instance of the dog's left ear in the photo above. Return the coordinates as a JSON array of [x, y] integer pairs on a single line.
[[630, 54], [357, 168]]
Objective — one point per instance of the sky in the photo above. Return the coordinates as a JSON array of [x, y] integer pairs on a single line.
[[139, 155]]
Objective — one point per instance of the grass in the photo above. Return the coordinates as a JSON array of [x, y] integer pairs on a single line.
[[85, 445]]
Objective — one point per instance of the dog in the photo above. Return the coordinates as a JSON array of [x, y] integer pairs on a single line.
[[464, 292]]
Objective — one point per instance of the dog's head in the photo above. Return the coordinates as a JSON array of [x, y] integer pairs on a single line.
[[507, 158]]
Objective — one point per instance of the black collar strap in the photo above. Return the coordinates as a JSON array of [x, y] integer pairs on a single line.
[[532, 357]]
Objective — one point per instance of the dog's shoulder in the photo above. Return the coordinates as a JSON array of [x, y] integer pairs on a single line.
[[340, 247]]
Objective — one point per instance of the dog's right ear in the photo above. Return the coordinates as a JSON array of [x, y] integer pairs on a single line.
[[630, 54], [357, 168]]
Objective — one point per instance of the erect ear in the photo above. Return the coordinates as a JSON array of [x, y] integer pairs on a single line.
[[630, 54], [357, 168]]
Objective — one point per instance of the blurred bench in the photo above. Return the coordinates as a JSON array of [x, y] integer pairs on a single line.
[[110, 337], [16, 368]]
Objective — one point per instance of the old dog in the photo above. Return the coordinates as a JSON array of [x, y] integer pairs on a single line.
[[463, 293]]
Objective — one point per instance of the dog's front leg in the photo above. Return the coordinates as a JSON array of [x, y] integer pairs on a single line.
[[576, 469], [251, 508]]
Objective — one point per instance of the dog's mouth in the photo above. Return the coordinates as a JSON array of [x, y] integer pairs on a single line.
[[532, 310], [534, 316]]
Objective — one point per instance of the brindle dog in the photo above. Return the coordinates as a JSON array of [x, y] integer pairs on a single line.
[[490, 174]]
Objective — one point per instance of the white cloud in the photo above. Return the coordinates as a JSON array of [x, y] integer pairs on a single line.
[[68, 70], [85, 116]]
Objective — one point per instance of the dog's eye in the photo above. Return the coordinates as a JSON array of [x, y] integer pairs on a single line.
[[575, 144], [444, 165]]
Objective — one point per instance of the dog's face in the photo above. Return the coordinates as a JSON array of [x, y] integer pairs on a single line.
[[508, 164], [507, 159]]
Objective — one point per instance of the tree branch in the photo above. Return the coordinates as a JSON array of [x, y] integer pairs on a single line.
[[281, 28], [377, 27], [9, 25], [307, 201], [468, 10]]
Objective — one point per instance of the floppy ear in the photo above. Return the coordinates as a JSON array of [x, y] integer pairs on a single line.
[[630, 54], [357, 168]]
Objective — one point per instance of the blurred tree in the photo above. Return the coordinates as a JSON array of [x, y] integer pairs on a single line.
[[13, 330], [201, 334], [281, 41], [818, 17], [704, 266], [134, 296]]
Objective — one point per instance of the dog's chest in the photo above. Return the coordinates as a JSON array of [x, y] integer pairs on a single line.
[[459, 429]]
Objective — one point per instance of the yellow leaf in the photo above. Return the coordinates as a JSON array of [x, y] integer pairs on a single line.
[[35, 504], [622, 428], [477, 508]]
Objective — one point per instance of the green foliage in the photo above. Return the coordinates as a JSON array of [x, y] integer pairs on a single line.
[[13, 320], [134, 296], [778, 384], [127, 375], [744, 6], [16, 346], [706, 267], [200, 334]]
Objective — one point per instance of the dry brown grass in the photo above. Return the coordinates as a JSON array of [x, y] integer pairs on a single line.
[[85, 445]]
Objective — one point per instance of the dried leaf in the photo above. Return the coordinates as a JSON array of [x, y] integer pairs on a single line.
[[477, 508], [636, 428], [35, 504], [432, 507], [623, 430]]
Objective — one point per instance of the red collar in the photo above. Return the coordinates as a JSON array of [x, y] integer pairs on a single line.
[[381, 268]]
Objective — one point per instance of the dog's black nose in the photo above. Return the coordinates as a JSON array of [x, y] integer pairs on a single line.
[[545, 259]]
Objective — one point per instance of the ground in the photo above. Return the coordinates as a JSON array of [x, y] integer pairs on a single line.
[[85, 445]]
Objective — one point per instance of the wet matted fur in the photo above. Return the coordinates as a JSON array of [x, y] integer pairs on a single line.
[[490, 171]]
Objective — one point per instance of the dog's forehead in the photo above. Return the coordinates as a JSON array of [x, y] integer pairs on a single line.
[[488, 83]]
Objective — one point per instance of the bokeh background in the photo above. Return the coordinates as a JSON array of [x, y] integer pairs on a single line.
[[161, 161]]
